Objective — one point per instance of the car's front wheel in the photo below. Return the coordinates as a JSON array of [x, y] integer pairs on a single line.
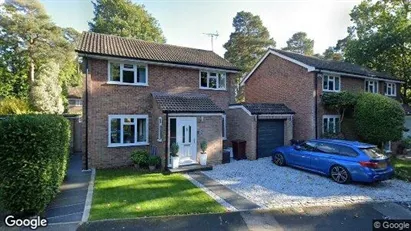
[[340, 174], [278, 159]]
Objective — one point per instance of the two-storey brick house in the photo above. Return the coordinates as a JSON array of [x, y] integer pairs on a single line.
[[298, 81], [144, 95]]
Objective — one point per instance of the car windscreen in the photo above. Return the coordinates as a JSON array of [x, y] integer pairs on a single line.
[[374, 153]]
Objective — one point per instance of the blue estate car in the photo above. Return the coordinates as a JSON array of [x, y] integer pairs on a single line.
[[342, 160]]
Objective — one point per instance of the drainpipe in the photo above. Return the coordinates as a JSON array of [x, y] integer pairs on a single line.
[[166, 143], [87, 114], [315, 105]]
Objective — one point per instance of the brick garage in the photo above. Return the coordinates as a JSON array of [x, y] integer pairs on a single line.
[[250, 122]]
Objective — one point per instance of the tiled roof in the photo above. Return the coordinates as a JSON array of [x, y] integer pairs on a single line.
[[266, 108], [110, 45], [185, 102], [331, 65]]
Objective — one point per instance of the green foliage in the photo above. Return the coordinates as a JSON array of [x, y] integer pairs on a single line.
[[154, 160], [332, 54], [300, 43], [33, 160], [378, 118], [126, 19], [13, 106], [339, 101], [381, 38], [247, 44], [140, 157], [174, 149], [203, 146], [46, 92], [407, 142]]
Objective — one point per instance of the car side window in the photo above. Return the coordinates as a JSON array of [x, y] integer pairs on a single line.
[[327, 148], [308, 146], [347, 151]]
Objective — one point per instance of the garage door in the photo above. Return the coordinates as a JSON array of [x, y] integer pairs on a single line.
[[270, 136]]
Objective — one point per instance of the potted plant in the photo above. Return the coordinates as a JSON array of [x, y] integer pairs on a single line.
[[203, 154], [175, 160], [153, 161], [139, 158]]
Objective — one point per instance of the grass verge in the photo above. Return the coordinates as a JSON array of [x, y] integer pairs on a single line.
[[402, 169]]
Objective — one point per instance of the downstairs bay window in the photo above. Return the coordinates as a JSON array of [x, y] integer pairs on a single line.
[[127, 130], [331, 124]]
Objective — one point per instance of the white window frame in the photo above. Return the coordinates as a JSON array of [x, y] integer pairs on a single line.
[[224, 135], [374, 83], [333, 80], [160, 129], [393, 87], [328, 117], [389, 150], [217, 80], [122, 117], [122, 68]]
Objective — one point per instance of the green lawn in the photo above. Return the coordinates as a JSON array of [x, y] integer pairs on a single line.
[[402, 169], [127, 193]]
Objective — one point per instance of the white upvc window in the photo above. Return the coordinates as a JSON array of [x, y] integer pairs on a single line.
[[127, 74], [331, 83], [75, 102], [160, 129], [390, 89], [213, 80], [224, 127], [371, 86], [331, 124], [127, 130]]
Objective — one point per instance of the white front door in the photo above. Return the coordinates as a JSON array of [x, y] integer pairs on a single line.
[[187, 139]]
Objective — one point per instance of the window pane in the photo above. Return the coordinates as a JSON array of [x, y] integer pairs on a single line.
[[212, 83], [325, 83], [128, 134], [327, 148], [331, 125], [222, 127], [221, 81], [325, 125], [173, 128], [212, 74], [129, 120], [184, 134], [337, 125], [189, 134], [203, 80], [114, 72], [128, 76], [331, 85], [337, 83], [346, 151], [128, 66], [115, 131], [141, 130], [141, 75]]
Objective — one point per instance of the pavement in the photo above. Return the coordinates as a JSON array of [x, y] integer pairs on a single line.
[[353, 217]]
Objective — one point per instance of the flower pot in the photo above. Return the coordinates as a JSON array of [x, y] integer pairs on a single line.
[[203, 159], [175, 162], [152, 167]]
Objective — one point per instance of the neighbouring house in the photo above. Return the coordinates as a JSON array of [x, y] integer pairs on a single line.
[[145, 95], [75, 101], [298, 81]]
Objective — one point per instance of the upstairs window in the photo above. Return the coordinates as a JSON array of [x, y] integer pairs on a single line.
[[331, 83], [371, 86], [390, 89], [212, 80], [126, 73]]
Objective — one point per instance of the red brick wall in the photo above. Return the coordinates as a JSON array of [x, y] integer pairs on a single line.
[[277, 80], [106, 99]]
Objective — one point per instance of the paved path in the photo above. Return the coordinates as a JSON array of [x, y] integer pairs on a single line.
[[66, 210], [353, 217], [237, 201]]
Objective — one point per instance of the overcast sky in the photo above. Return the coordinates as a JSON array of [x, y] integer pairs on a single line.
[[184, 21]]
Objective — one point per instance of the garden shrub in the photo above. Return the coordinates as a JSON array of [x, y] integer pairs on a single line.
[[140, 157], [33, 160], [13, 106], [378, 118]]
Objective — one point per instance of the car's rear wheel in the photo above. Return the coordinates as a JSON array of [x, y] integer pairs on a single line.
[[340, 174], [278, 159]]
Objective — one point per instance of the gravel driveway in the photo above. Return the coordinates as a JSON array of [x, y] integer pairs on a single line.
[[271, 186]]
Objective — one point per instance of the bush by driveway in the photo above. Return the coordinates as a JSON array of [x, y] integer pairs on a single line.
[[271, 186]]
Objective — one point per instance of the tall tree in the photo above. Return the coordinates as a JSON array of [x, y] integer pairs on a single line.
[[247, 44], [381, 38], [331, 54], [126, 19], [300, 43]]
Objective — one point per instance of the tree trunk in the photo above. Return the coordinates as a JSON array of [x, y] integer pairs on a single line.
[[31, 77]]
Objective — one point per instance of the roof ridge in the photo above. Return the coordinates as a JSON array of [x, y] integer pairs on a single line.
[[144, 41]]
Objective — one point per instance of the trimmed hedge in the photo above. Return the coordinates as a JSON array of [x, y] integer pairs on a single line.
[[378, 118], [33, 160]]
